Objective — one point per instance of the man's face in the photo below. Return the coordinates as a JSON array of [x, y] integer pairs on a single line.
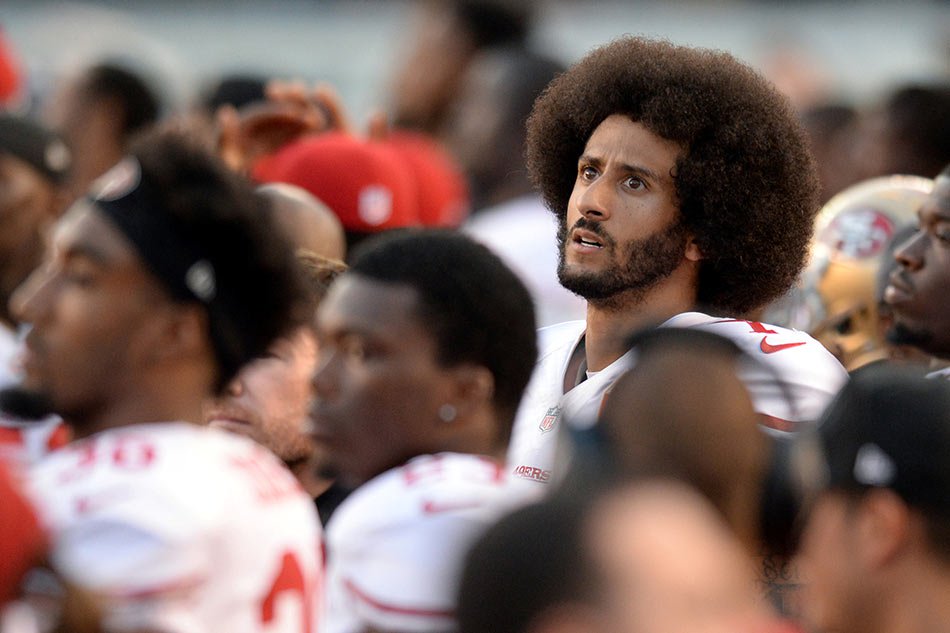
[[27, 207], [622, 230], [269, 398], [827, 562], [91, 304], [378, 386], [917, 291]]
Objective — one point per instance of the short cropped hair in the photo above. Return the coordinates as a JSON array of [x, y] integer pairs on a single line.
[[476, 307], [528, 564], [746, 184], [138, 103], [260, 291]]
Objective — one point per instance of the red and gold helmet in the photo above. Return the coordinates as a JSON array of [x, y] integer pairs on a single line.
[[836, 298]]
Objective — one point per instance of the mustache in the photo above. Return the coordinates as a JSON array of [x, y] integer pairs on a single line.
[[596, 228]]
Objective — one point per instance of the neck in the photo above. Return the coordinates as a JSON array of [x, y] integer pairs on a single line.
[[306, 473], [610, 324], [922, 606], [165, 396], [141, 410]]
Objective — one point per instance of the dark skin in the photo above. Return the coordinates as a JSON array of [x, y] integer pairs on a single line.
[[107, 346], [917, 289], [29, 204], [379, 386]]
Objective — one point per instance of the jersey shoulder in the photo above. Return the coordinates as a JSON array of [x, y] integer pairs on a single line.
[[155, 475], [425, 490], [767, 343], [395, 546], [559, 335]]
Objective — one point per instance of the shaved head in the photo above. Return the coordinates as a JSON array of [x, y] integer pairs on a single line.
[[309, 223]]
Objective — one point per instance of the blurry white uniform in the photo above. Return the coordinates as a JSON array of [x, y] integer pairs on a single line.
[[395, 546], [791, 381], [23, 442], [522, 232], [183, 529]]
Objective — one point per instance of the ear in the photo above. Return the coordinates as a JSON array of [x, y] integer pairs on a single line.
[[693, 252], [472, 388], [883, 528], [180, 332]]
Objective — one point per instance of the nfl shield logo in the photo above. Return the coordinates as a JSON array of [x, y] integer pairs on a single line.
[[549, 419]]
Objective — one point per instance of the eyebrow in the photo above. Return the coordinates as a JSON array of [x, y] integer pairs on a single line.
[[637, 170]]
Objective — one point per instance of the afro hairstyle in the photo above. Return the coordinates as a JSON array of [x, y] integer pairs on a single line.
[[745, 182]]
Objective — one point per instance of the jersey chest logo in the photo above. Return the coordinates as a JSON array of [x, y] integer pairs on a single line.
[[549, 421]]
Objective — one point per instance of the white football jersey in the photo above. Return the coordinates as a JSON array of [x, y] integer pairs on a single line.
[[183, 529], [395, 546], [791, 379]]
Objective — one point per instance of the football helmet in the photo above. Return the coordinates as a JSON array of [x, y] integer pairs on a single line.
[[836, 297]]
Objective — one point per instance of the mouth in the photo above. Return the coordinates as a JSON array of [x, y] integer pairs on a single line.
[[898, 289], [227, 418], [319, 427], [27, 358], [586, 240]]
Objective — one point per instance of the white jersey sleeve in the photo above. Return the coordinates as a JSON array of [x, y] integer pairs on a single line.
[[183, 529], [395, 546]]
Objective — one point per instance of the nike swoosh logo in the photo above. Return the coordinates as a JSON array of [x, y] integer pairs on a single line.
[[768, 348]]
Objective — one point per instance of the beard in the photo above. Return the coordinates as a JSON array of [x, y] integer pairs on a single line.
[[645, 262], [901, 334], [25, 404]]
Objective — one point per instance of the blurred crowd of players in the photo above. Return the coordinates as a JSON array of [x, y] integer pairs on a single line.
[[266, 369]]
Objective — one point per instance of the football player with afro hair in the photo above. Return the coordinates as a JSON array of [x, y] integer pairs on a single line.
[[681, 181]]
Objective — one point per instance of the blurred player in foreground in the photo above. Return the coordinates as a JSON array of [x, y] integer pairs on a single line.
[[156, 289], [875, 553]]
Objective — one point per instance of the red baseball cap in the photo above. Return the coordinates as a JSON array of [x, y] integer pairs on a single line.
[[443, 190], [366, 183]]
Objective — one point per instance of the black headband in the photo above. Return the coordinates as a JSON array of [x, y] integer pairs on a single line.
[[161, 241]]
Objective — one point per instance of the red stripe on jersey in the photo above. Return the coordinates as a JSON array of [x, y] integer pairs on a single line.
[[772, 422], [391, 608]]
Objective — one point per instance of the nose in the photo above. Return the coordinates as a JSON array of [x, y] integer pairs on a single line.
[[28, 302], [594, 200], [910, 253], [325, 378]]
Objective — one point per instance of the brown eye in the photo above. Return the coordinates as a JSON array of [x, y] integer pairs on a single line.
[[634, 183]]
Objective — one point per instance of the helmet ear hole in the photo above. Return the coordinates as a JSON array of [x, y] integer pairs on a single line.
[[845, 326]]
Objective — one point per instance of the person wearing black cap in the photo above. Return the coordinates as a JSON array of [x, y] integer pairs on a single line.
[[875, 552], [34, 163], [156, 290]]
